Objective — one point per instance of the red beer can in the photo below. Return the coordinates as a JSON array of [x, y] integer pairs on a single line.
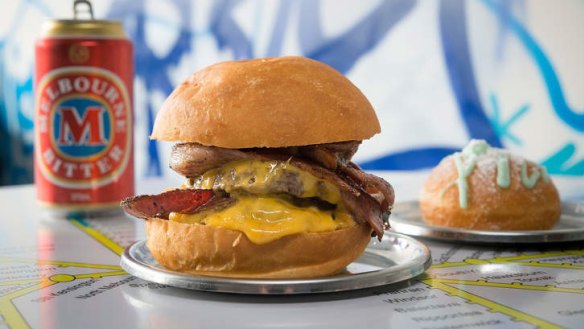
[[83, 116]]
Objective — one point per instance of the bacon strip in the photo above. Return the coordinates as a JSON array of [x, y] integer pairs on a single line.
[[375, 186], [337, 157], [192, 160], [364, 207], [186, 201], [369, 198], [330, 155]]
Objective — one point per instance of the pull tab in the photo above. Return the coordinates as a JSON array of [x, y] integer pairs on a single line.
[[76, 8]]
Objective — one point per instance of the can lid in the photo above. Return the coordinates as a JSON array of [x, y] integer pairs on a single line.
[[83, 28]]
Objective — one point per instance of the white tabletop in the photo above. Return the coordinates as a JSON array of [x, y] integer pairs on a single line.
[[57, 273]]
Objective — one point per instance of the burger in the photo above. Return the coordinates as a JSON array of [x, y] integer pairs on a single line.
[[265, 146]]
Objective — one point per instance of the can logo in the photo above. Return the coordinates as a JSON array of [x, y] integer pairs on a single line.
[[78, 54], [83, 122]]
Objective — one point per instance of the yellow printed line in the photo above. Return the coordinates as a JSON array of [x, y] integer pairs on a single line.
[[474, 261], [72, 276], [59, 263], [19, 282], [516, 314], [10, 313], [12, 316], [575, 252], [445, 265], [533, 263], [100, 275], [97, 235], [514, 260], [509, 285], [564, 265], [526, 257]]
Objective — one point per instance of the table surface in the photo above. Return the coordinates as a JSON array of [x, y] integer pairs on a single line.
[[65, 273]]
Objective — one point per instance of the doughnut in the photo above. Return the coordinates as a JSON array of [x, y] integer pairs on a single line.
[[487, 188]]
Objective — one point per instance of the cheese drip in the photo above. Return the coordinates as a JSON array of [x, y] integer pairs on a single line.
[[259, 213], [264, 219]]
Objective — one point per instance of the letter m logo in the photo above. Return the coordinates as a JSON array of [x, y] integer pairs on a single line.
[[86, 130]]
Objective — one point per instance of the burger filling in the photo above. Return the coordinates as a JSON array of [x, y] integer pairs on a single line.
[[272, 199], [268, 193]]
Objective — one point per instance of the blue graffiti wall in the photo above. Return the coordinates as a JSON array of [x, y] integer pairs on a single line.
[[438, 72]]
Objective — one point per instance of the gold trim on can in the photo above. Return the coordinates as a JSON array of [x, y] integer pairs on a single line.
[[66, 28]]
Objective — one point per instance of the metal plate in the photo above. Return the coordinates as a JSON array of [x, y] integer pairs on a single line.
[[406, 218], [396, 258]]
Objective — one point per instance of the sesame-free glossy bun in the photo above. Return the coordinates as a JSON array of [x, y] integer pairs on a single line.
[[267, 102], [216, 251], [489, 206]]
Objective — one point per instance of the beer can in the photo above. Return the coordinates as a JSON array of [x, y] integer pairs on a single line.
[[83, 116]]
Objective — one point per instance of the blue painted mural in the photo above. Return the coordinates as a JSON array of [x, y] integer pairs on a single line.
[[438, 72]]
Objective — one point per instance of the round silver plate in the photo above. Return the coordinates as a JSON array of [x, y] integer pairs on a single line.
[[406, 218], [396, 258]]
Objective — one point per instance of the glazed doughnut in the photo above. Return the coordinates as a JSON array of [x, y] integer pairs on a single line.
[[486, 188]]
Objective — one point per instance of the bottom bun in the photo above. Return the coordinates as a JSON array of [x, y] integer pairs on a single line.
[[216, 251]]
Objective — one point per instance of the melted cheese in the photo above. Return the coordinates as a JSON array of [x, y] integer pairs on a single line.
[[264, 219], [263, 177], [261, 215]]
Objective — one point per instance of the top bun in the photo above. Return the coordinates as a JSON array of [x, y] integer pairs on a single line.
[[266, 102]]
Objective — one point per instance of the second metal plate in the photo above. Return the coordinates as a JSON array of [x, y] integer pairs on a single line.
[[406, 218], [396, 258]]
